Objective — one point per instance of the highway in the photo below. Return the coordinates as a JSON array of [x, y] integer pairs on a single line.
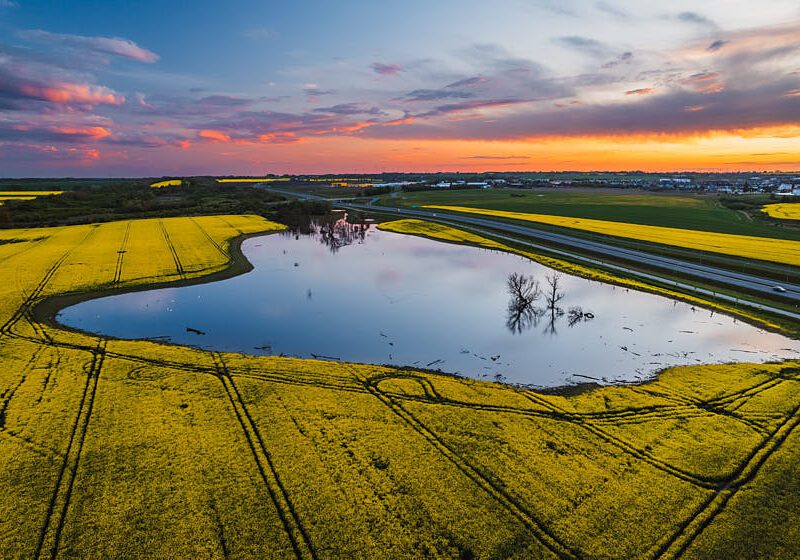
[[675, 267]]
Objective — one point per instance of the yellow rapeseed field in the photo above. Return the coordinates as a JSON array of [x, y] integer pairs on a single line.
[[762, 248], [783, 211], [30, 193], [167, 183], [135, 449], [5, 196]]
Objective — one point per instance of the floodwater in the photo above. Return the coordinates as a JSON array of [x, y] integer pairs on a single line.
[[354, 293]]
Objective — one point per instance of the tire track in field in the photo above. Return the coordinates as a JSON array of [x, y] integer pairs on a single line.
[[55, 517], [9, 393], [291, 378], [52, 367], [33, 295], [561, 415], [540, 531], [28, 302], [175, 257], [211, 240], [121, 255], [298, 536], [29, 245], [705, 482], [230, 225], [679, 542]]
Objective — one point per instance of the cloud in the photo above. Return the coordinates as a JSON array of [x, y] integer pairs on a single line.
[[624, 58], [27, 132], [704, 82], [468, 82], [350, 109], [612, 10], [640, 91], [585, 45], [469, 106], [386, 69], [313, 91], [214, 135], [436, 94], [102, 45], [671, 113], [695, 19], [16, 91], [716, 45]]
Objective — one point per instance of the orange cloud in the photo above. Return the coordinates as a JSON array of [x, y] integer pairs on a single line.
[[93, 132], [64, 93], [214, 135]]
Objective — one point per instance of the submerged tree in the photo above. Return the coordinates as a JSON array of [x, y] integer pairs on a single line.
[[553, 295], [523, 289], [521, 313]]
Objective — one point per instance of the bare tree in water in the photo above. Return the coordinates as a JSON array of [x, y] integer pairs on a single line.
[[553, 296], [524, 291]]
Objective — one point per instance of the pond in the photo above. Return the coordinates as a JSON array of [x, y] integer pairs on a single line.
[[355, 293]]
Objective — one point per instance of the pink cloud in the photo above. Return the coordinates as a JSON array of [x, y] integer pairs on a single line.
[[64, 93], [386, 69]]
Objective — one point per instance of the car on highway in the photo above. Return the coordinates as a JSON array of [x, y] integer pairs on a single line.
[[779, 289]]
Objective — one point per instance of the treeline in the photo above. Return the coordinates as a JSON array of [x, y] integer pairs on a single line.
[[136, 199]]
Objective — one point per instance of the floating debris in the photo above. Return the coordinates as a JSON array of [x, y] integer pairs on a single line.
[[321, 357]]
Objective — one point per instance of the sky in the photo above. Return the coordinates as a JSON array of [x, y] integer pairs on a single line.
[[246, 87]]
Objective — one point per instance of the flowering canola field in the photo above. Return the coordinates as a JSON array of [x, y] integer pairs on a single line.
[[783, 211], [167, 183], [762, 248], [5, 196], [121, 449]]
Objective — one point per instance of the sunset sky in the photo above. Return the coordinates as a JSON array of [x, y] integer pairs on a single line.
[[106, 88]]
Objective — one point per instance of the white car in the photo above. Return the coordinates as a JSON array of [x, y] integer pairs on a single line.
[[780, 289]]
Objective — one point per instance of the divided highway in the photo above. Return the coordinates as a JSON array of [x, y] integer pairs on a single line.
[[675, 267]]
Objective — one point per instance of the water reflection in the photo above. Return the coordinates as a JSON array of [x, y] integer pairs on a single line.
[[334, 230], [351, 292], [522, 313]]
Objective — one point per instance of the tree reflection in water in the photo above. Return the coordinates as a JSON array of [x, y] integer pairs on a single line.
[[332, 230], [525, 291]]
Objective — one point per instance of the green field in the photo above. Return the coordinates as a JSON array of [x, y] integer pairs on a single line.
[[704, 213], [124, 449]]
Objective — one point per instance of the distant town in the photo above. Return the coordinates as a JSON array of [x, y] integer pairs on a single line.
[[779, 184]]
